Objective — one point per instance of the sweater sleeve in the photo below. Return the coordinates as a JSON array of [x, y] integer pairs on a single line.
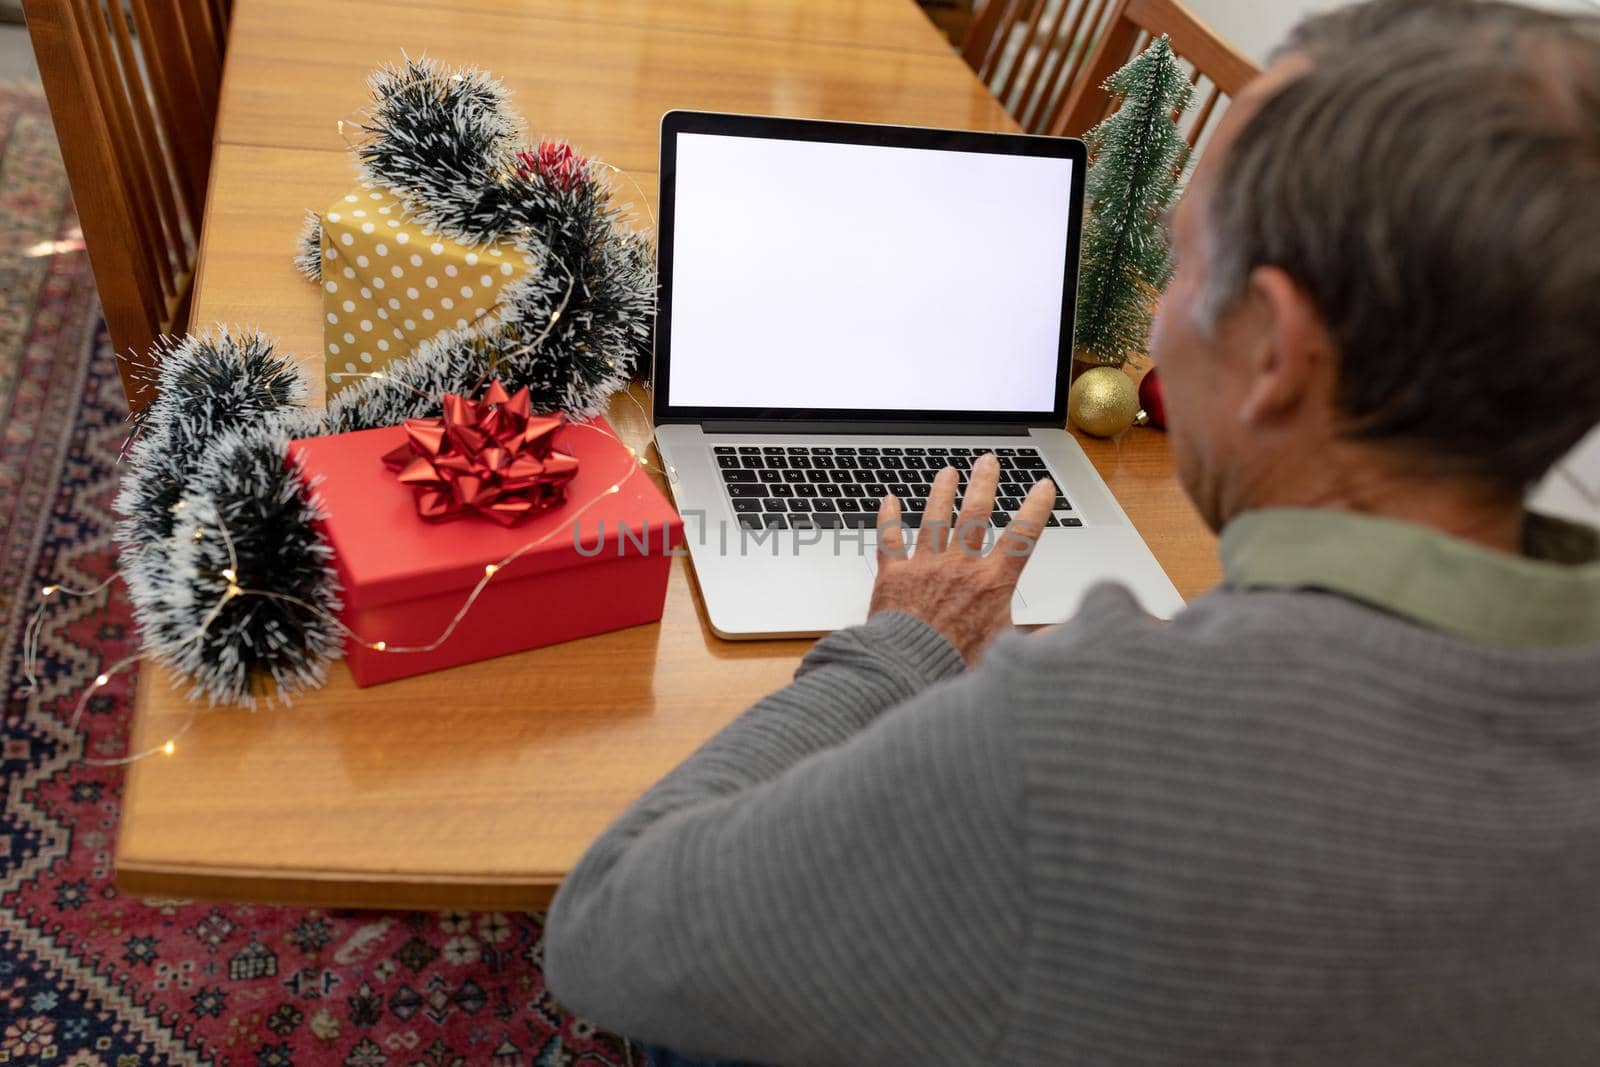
[[835, 877]]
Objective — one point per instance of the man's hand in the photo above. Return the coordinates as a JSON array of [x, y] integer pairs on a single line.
[[949, 582]]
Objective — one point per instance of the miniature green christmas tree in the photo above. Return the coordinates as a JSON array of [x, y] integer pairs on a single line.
[[1137, 155]]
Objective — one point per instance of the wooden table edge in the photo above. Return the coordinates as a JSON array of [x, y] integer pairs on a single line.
[[279, 886]]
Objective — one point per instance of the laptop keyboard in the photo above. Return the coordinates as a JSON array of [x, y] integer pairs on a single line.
[[805, 487]]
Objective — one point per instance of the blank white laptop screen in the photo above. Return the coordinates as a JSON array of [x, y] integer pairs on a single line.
[[817, 275]]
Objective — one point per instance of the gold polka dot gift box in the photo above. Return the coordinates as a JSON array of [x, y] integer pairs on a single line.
[[390, 283]]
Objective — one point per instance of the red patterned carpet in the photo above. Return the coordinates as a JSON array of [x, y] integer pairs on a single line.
[[89, 978]]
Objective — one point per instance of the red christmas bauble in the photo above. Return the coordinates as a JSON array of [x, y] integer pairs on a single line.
[[1150, 400]]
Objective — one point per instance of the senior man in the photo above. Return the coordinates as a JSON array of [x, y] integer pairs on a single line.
[[1345, 809]]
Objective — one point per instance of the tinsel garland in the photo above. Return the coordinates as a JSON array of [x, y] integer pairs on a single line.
[[208, 489], [308, 255], [208, 459], [204, 386], [444, 141], [254, 516]]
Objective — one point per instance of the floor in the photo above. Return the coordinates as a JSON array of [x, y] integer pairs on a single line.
[[16, 54]]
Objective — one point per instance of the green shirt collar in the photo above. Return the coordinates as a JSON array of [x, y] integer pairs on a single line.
[[1426, 576]]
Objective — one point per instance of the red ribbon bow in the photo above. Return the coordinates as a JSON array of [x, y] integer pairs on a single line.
[[492, 456]]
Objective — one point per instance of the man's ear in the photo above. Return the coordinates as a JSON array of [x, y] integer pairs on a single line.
[[1293, 351]]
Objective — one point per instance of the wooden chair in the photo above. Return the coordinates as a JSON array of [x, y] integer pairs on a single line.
[[1047, 60], [133, 88], [953, 17]]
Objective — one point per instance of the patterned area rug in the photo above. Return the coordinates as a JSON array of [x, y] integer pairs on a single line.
[[90, 978]]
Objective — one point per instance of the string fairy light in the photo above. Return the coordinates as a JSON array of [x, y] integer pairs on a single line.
[[236, 589], [644, 413], [35, 628], [341, 375], [643, 199], [527, 349], [555, 316], [103, 679]]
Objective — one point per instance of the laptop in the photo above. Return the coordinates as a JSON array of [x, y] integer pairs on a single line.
[[844, 309]]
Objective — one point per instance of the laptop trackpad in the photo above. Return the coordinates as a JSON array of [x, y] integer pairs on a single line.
[[820, 590]]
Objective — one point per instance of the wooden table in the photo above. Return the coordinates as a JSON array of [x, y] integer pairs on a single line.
[[481, 786]]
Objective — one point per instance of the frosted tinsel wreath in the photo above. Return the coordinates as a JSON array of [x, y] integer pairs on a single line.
[[207, 488]]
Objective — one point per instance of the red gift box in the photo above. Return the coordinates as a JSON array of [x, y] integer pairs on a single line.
[[599, 562]]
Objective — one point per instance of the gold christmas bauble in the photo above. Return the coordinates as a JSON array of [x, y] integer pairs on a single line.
[[1103, 402]]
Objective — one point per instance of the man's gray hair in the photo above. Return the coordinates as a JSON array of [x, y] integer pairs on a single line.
[[1433, 184]]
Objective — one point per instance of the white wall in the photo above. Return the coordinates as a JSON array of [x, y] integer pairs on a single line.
[[1255, 27], [1573, 490]]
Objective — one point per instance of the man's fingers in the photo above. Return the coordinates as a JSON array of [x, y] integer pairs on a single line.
[[891, 531], [1016, 543], [934, 534], [972, 525]]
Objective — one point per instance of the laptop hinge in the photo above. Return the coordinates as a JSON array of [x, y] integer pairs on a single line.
[[946, 429]]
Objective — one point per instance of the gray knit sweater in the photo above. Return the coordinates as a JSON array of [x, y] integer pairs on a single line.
[[1287, 828]]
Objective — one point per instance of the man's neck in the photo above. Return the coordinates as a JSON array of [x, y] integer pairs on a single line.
[[1368, 481]]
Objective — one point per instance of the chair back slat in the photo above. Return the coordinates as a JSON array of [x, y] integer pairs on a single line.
[[1048, 56], [1047, 61], [185, 117], [1203, 117], [134, 104], [1065, 62], [128, 167], [147, 142], [1030, 51], [1134, 25], [173, 44], [978, 47], [220, 15], [201, 42], [1027, 33]]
